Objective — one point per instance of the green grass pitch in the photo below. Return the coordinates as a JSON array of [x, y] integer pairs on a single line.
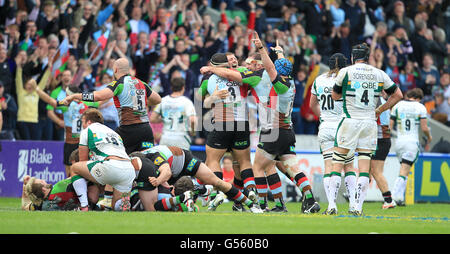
[[413, 219]]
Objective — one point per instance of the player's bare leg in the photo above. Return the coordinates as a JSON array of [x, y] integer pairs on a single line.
[[376, 171], [262, 162], [148, 199]]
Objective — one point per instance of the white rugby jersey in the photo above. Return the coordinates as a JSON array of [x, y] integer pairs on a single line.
[[383, 122], [407, 115], [361, 86], [175, 113], [102, 142], [330, 110]]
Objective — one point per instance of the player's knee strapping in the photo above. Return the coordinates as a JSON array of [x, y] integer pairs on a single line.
[[327, 155], [350, 159], [339, 157], [364, 156]]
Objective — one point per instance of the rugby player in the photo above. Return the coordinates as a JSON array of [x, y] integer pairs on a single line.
[[65, 195], [177, 112], [174, 162], [231, 131], [132, 98], [72, 120], [380, 154], [109, 163], [360, 85], [408, 115], [330, 113], [274, 92]]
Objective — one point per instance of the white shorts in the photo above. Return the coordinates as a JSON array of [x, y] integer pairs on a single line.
[[406, 150], [326, 134], [117, 173], [181, 141], [357, 134]]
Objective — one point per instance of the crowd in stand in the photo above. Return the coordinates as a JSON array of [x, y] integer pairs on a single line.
[[164, 39]]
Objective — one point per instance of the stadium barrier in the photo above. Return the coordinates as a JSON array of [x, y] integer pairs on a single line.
[[44, 160]]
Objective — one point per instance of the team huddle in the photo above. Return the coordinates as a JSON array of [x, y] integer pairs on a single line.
[[134, 174]]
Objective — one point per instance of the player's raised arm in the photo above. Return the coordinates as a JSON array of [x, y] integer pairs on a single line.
[[267, 62]]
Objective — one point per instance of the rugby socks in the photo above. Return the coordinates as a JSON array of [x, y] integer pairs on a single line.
[[239, 184], [361, 190], [387, 197], [326, 184], [262, 188], [167, 204], [334, 185], [302, 183], [350, 184], [399, 187], [274, 183], [235, 195], [80, 186], [248, 178]]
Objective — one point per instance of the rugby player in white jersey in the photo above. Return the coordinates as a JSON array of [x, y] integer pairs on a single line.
[[330, 113], [177, 112], [360, 85], [408, 115], [109, 163]]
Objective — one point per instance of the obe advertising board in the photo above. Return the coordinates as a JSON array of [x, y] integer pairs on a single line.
[[40, 159]]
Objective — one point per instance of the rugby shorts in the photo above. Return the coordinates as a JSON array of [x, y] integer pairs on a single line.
[[277, 142], [136, 137], [356, 134], [120, 174], [235, 135]]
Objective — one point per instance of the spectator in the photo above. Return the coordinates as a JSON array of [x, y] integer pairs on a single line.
[[408, 77], [443, 107], [439, 47], [419, 42], [27, 100], [400, 18], [429, 76], [8, 109], [5, 71], [108, 110], [300, 83]]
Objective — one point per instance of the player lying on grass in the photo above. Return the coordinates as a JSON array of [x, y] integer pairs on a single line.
[[64, 195], [173, 163]]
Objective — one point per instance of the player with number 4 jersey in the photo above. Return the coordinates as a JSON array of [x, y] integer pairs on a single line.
[[360, 86]]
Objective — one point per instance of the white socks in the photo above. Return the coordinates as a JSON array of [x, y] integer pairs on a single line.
[[80, 186], [399, 188], [361, 190]]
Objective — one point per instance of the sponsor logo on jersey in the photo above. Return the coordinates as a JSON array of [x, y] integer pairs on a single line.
[[191, 164], [147, 144], [158, 161]]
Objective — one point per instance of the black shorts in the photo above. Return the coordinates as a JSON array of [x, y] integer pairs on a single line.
[[136, 137], [277, 142], [68, 149], [229, 135], [190, 167], [383, 147], [148, 170]]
